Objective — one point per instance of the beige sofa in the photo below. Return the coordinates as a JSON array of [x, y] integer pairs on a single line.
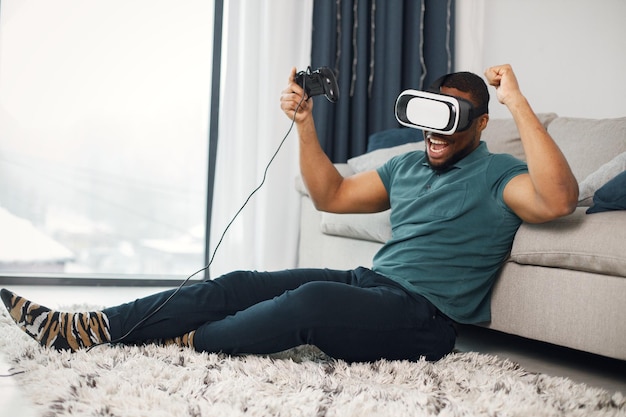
[[564, 282]]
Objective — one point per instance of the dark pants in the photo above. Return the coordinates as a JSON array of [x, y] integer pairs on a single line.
[[354, 315]]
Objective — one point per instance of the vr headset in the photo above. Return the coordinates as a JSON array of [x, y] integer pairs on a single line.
[[436, 112]]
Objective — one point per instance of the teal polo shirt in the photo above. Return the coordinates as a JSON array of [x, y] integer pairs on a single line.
[[451, 231]]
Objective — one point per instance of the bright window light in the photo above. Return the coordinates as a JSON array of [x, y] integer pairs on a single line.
[[104, 112]]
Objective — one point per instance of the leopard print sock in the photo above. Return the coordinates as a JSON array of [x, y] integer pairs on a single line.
[[54, 329]]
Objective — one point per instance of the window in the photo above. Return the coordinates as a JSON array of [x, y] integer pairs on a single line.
[[104, 118]]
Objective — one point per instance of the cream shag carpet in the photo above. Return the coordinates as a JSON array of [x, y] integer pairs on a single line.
[[169, 381]]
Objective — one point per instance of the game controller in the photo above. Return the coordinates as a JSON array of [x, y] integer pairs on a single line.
[[321, 81]]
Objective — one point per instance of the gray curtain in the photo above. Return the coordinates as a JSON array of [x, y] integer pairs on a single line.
[[377, 48]]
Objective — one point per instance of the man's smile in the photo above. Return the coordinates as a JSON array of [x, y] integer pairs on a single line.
[[436, 146]]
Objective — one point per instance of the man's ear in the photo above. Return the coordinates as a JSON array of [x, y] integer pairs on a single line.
[[482, 122]]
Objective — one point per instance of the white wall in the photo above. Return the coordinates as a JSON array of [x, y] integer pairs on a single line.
[[569, 55]]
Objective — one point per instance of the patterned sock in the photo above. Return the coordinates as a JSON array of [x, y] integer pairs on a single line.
[[55, 329], [185, 340]]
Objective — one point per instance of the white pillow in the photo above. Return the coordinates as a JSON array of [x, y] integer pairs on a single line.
[[597, 179], [374, 227]]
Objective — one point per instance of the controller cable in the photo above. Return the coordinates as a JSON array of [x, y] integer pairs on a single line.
[[247, 200]]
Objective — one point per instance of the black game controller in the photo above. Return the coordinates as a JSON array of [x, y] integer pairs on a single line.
[[320, 81]]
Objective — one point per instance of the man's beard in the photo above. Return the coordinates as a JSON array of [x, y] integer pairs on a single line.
[[454, 158]]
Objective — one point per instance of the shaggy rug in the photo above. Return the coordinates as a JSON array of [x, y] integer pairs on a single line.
[[169, 381]]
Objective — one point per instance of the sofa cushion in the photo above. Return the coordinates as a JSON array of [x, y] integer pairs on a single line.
[[595, 180], [579, 242], [589, 143], [375, 159], [502, 136], [393, 137], [611, 196]]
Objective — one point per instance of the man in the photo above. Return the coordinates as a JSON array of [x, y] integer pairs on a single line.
[[455, 210]]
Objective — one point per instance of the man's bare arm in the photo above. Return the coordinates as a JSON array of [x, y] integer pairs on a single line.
[[549, 190], [329, 190]]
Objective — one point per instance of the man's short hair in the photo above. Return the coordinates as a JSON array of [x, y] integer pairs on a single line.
[[470, 83]]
